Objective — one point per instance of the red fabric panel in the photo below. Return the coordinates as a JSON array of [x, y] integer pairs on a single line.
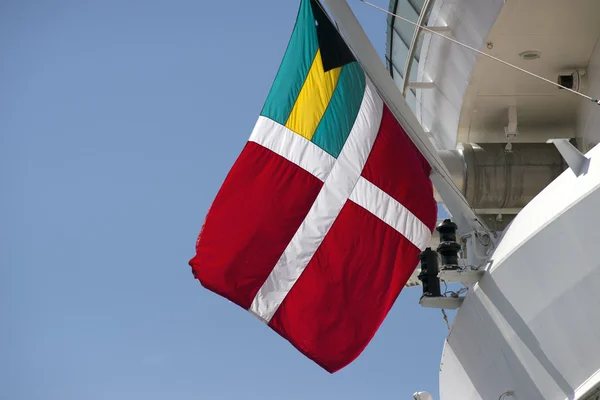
[[396, 167], [259, 207], [347, 289]]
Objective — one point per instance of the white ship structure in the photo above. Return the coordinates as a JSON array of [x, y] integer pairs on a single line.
[[517, 166]]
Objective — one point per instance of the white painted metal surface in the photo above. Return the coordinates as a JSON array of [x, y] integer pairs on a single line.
[[449, 66], [588, 117], [447, 303], [532, 325], [465, 276], [564, 34]]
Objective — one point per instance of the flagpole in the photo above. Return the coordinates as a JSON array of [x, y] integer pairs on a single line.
[[367, 56]]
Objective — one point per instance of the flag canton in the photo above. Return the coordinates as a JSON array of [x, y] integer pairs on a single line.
[[319, 87]]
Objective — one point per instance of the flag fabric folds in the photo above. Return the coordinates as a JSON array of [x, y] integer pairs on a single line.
[[319, 223]]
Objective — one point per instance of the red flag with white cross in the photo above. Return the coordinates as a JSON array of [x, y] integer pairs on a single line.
[[320, 221]]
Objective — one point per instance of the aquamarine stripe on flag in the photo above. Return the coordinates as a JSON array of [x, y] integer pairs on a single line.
[[294, 68], [337, 122]]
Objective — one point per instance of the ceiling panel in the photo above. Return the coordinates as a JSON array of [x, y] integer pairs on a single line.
[[564, 32]]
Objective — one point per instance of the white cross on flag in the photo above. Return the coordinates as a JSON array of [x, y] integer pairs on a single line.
[[320, 221]]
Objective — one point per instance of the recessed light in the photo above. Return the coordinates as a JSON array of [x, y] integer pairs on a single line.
[[530, 55]]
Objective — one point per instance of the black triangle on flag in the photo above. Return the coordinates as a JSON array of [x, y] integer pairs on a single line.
[[334, 51]]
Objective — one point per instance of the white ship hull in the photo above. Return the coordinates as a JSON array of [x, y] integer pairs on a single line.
[[530, 328]]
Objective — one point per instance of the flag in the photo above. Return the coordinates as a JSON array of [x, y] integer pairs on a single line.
[[320, 221]]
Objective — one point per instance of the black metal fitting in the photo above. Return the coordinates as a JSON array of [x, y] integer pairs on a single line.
[[448, 247], [429, 273]]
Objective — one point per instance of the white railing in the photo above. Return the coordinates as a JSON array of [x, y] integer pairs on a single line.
[[408, 55], [412, 50]]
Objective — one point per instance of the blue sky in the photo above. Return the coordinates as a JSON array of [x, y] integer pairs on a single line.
[[118, 123]]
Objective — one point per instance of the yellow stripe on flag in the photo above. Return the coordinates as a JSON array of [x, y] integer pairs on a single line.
[[313, 99]]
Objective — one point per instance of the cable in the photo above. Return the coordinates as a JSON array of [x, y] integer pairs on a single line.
[[446, 319], [507, 393], [482, 53]]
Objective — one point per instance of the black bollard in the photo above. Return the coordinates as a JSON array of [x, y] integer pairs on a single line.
[[429, 273], [448, 247]]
